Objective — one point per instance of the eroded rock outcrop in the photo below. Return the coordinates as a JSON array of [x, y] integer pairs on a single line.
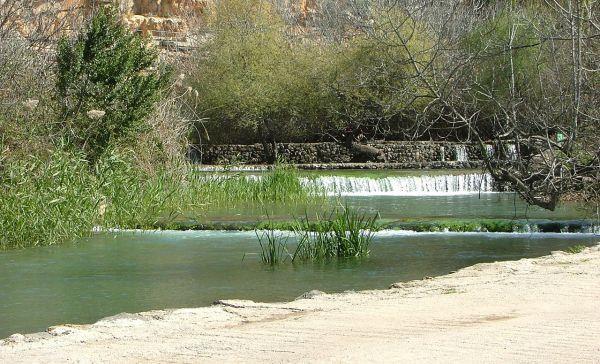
[[162, 18]]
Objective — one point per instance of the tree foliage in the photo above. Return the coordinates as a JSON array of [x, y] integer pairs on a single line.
[[107, 83], [252, 83]]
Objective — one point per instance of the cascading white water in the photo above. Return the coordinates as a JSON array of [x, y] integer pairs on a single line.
[[402, 185], [511, 152], [423, 185], [461, 153], [489, 150]]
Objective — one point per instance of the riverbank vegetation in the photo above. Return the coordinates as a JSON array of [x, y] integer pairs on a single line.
[[520, 75], [343, 233], [105, 145], [95, 127]]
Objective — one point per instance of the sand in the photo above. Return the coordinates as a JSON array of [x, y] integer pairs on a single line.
[[532, 310]]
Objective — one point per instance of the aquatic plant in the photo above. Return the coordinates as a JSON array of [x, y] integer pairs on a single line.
[[280, 185], [273, 247], [58, 198], [575, 249], [344, 233]]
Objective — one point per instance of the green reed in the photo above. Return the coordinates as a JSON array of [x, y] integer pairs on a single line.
[[59, 198], [344, 233], [280, 185], [273, 247], [44, 202]]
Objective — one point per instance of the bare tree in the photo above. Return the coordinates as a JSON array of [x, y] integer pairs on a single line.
[[529, 87]]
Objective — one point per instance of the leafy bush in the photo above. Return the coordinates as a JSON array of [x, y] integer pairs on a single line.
[[256, 81], [375, 84], [253, 82], [107, 85]]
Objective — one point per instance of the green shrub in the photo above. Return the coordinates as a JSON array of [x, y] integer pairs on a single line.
[[254, 83], [107, 85], [496, 59], [374, 81], [258, 83]]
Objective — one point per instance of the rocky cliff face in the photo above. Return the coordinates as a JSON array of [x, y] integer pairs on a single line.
[[167, 21], [161, 18]]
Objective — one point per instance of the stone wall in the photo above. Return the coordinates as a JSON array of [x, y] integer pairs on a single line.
[[419, 153]]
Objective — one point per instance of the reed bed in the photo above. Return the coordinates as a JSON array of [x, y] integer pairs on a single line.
[[273, 247], [60, 199], [45, 202], [343, 233], [281, 185]]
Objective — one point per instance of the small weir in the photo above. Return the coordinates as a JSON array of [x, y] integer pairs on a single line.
[[422, 185], [115, 272]]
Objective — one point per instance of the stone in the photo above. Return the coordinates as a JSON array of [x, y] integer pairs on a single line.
[[410, 154], [15, 339], [60, 330], [310, 294]]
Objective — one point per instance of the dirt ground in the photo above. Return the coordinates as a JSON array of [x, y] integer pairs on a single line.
[[531, 310]]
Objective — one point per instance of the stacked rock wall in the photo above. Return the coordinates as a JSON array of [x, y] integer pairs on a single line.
[[410, 153]]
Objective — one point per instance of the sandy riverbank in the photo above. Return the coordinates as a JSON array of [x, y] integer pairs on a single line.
[[532, 310]]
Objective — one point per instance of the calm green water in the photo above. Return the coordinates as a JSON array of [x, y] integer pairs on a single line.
[[474, 206], [109, 274], [416, 200]]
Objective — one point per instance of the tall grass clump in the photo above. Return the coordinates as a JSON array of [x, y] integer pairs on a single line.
[[133, 198], [46, 201], [273, 247], [345, 233], [280, 185]]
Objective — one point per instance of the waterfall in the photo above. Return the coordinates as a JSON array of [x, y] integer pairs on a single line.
[[511, 152], [489, 150], [461, 153], [402, 185]]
